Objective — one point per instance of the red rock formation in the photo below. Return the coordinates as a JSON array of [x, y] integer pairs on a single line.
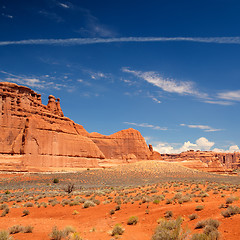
[[154, 154], [124, 145], [33, 134], [206, 160]]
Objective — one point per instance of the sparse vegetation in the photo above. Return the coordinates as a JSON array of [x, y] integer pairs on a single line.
[[133, 220]]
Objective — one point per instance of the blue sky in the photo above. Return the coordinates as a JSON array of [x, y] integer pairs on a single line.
[[169, 69]]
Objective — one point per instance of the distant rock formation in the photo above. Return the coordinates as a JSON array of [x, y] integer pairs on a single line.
[[33, 134], [206, 160]]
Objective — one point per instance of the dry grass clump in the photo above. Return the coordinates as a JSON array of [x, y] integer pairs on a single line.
[[210, 231], [170, 229], [193, 216], [88, 204], [231, 199], [4, 235], [230, 211], [117, 230], [133, 220], [68, 232], [199, 208]]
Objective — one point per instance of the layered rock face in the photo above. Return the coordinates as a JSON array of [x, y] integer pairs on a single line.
[[206, 160], [127, 144], [33, 134]]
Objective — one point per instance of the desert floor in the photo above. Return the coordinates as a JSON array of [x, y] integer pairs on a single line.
[[146, 190]]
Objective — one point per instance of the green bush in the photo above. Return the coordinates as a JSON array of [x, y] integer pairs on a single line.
[[55, 180]]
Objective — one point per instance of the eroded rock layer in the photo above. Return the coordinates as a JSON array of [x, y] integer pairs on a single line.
[[206, 160], [33, 134]]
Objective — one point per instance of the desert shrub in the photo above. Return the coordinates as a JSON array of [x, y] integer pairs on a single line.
[[112, 211], [231, 210], [231, 199], [133, 220], [25, 212], [4, 235], [208, 222], [168, 214], [168, 201], [88, 204], [15, 229], [69, 188], [169, 229], [5, 212], [117, 230], [96, 201], [193, 216], [199, 208], [117, 208], [156, 201], [28, 204], [75, 236], [56, 234], [3, 206], [55, 180], [68, 229], [28, 229], [75, 212]]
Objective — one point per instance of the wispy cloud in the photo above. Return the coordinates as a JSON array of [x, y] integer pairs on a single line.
[[84, 41], [7, 15], [32, 81], [167, 84], [205, 128], [64, 5], [146, 125], [230, 95], [224, 103]]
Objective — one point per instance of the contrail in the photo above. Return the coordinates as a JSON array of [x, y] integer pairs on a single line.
[[85, 41]]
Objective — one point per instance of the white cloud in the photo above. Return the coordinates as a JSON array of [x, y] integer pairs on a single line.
[[64, 5], [146, 125], [104, 32], [230, 95], [224, 103], [234, 148], [167, 84], [202, 144], [205, 128]]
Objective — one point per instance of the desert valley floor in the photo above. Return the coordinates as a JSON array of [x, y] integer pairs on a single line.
[[148, 191]]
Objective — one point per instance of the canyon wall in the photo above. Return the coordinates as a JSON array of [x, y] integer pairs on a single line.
[[33, 134]]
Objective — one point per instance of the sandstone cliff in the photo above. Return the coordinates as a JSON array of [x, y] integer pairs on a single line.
[[33, 134]]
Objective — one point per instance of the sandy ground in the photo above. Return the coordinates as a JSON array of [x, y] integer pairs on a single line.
[[96, 222]]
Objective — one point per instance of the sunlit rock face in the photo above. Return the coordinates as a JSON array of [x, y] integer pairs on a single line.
[[33, 134]]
